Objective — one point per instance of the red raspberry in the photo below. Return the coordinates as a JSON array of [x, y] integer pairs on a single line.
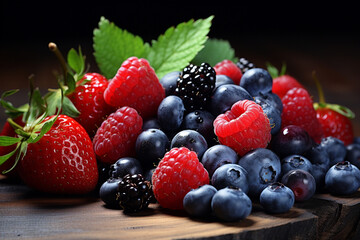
[[230, 69], [177, 173], [116, 137], [135, 85], [298, 110], [244, 127], [284, 83]]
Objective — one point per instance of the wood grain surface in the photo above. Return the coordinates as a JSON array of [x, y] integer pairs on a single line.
[[26, 214]]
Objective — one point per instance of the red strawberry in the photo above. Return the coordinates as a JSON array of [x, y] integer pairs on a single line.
[[89, 100], [62, 161], [244, 127], [84, 92], [298, 110], [335, 120], [230, 69], [136, 85], [282, 82], [116, 137]]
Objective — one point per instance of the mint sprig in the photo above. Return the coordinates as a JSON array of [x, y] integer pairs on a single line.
[[172, 51]]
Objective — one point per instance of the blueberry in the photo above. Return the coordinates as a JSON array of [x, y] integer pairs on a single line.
[[256, 81], [151, 145], [320, 160], [190, 139], [197, 202], [151, 123], [202, 122], [170, 113], [225, 96], [125, 165], [231, 204], [273, 98], [335, 149], [301, 182], [108, 192], [263, 167], [272, 112], [353, 154], [342, 179], [230, 175], [217, 156], [293, 162], [222, 79], [169, 82], [291, 140], [356, 140], [277, 198]]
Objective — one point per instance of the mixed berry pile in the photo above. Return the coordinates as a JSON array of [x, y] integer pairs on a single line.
[[209, 140]]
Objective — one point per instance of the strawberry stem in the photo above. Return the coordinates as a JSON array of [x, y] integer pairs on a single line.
[[53, 47], [319, 89]]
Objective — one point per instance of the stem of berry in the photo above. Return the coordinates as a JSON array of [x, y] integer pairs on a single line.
[[53, 47], [335, 107]]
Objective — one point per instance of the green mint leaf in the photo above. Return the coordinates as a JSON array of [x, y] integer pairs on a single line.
[[174, 50], [8, 141], [215, 51], [112, 46]]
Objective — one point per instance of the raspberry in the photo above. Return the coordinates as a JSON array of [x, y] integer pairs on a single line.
[[177, 173], [298, 110], [244, 127], [230, 69], [195, 85], [135, 85], [116, 137]]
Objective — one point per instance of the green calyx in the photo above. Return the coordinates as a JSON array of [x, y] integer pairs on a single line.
[[322, 104], [274, 72], [33, 115]]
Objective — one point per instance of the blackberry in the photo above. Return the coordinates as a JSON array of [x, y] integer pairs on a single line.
[[195, 85], [135, 193], [244, 65]]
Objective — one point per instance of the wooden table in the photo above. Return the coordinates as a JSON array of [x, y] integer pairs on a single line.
[[26, 214]]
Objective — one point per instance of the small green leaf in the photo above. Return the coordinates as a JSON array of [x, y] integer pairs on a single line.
[[8, 141], [215, 51], [113, 46], [76, 60], [70, 83], [10, 110], [45, 127], [173, 50], [69, 108], [54, 101], [36, 107], [5, 157]]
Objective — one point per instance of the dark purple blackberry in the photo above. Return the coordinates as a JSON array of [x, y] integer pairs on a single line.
[[195, 85], [244, 65], [135, 193]]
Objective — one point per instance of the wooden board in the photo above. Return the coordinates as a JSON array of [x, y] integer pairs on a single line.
[[26, 214]]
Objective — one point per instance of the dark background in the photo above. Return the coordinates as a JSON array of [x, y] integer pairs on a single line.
[[307, 36]]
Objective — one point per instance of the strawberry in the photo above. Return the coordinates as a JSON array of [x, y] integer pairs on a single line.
[[135, 85], [62, 161], [335, 119], [89, 101], [84, 98], [53, 154], [298, 110], [282, 82]]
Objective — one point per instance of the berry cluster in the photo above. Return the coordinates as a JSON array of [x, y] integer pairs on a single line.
[[209, 140], [220, 141]]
